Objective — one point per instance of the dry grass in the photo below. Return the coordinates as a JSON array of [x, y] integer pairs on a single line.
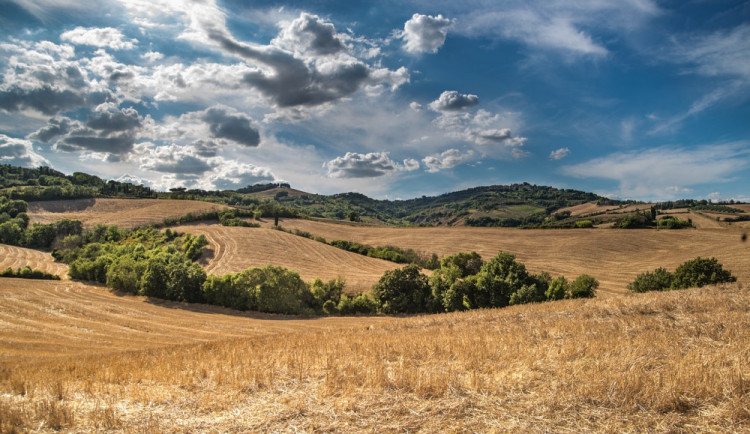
[[125, 213], [234, 249], [613, 256], [18, 257], [666, 362]]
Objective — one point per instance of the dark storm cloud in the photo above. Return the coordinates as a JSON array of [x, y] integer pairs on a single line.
[[235, 127]]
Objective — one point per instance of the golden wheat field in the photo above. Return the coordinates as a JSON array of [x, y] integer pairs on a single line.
[[18, 257], [233, 249], [125, 213], [76, 357], [613, 256], [86, 360]]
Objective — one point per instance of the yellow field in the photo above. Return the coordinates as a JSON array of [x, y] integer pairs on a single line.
[[613, 256], [234, 249], [18, 257], [125, 213], [76, 358]]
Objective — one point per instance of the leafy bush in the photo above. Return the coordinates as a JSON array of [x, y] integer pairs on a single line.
[[697, 272], [658, 280], [701, 272], [671, 222], [581, 224], [584, 286], [361, 303], [27, 273]]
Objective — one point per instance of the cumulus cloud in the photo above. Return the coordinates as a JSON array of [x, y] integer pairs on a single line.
[[19, 152], [355, 165], [106, 37], [559, 154], [236, 127], [659, 172], [445, 160], [109, 130], [232, 175], [411, 164], [425, 33], [309, 33], [484, 129], [182, 160], [44, 77], [450, 100], [290, 79], [55, 127]]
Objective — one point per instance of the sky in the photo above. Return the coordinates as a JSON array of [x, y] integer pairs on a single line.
[[630, 99]]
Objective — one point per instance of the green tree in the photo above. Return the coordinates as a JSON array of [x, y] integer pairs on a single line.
[[558, 289], [498, 279], [403, 290]]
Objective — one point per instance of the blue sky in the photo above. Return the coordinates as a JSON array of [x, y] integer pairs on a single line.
[[637, 99]]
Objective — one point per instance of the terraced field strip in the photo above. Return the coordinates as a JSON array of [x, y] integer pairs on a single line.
[[125, 213], [614, 256], [18, 257], [238, 248]]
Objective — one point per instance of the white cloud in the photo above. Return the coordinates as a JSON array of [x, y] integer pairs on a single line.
[[660, 172], [355, 165], [565, 27], [19, 152], [445, 160], [722, 53], [425, 33], [450, 100], [99, 37], [559, 154]]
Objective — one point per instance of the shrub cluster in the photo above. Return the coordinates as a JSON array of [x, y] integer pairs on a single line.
[[671, 222], [27, 273], [464, 281], [697, 272], [233, 217], [389, 253]]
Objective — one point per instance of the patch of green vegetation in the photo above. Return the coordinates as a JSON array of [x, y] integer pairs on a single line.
[[697, 272], [27, 273]]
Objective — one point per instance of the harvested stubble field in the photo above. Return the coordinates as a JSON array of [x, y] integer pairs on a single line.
[[125, 213], [677, 361], [613, 256], [18, 257], [233, 249]]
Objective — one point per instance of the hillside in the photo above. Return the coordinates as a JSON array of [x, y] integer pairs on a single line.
[[511, 205], [77, 358], [613, 256], [125, 213], [233, 249]]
